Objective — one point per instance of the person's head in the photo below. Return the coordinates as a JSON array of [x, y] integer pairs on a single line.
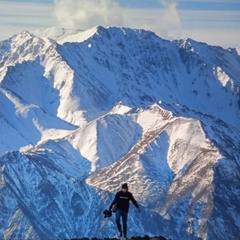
[[125, 187]]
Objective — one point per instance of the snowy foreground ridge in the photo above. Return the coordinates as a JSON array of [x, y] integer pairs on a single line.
[[81, 112]]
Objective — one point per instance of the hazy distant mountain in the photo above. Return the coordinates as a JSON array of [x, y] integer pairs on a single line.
[[81, 112]]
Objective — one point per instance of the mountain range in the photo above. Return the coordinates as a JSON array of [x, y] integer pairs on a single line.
[[82, 112]]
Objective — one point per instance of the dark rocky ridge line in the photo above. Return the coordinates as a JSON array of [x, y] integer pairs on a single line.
[[146, 237]]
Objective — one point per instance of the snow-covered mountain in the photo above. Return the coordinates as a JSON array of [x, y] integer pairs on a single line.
[[81, 112]]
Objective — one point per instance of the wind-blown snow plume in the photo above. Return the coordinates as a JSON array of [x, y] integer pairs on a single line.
[[86, 14], [170, 20], [82, 14]]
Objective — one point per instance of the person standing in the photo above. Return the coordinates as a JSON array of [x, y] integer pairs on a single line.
[[121, 200]]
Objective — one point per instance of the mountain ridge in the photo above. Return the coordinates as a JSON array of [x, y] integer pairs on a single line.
[[84, 111]]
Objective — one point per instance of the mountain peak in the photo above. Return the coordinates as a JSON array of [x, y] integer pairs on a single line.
[[63, 35]]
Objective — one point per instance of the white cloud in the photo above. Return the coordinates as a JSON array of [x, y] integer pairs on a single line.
[[86, 14], [171, 19]]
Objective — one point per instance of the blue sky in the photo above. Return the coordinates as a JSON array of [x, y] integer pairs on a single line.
[[183, 4], [216, 22]]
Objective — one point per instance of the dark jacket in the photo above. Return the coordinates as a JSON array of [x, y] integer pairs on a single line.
[[122, 200]]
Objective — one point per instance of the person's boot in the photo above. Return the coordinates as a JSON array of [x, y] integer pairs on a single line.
[[120, 234]]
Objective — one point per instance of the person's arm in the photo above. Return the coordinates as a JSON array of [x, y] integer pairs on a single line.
[[134, 201], [114, 201]]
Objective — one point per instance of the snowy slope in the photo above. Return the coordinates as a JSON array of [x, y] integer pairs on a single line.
[[81, 112], [62, 35]]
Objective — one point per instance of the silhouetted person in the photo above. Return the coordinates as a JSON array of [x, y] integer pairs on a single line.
[[121, 200]]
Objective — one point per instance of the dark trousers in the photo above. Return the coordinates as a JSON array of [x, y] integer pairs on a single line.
[[124, 215]]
